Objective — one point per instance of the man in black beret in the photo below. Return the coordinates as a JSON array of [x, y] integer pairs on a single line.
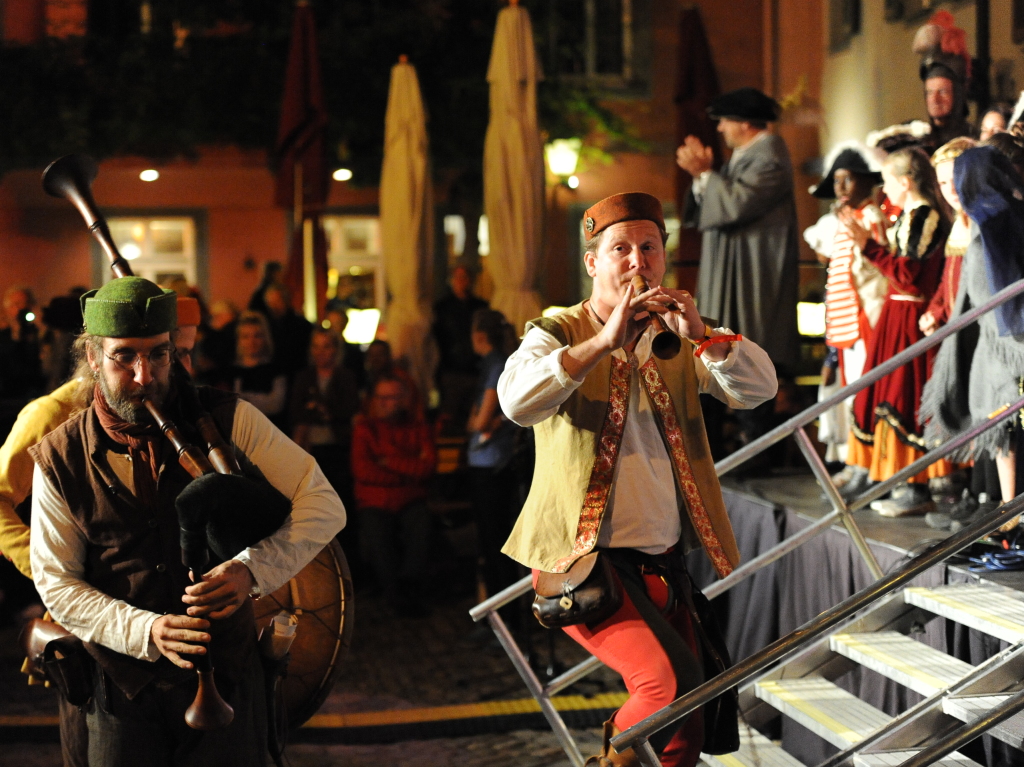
[[747, 213], [106, 553]]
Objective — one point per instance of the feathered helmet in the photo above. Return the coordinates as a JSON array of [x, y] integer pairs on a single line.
[[854, 157], [942, 46]]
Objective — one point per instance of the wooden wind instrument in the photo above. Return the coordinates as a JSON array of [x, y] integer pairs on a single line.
[[666, 344], [71, 177]]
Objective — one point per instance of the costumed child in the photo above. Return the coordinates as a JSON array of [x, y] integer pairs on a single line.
[[991, 191], [950, 493], [854, 288], [942, 302], [886, 434]]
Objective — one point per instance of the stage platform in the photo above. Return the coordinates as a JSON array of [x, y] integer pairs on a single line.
[[800, 495]]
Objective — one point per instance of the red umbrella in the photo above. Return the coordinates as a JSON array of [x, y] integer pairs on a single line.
[[302, 169], [696, 87]]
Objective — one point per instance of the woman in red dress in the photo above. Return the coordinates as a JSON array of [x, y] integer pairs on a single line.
[[886, 435]]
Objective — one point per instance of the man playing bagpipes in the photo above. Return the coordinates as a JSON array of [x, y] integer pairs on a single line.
[[106, 547], [35, 421]]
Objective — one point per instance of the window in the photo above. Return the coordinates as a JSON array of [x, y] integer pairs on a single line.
[[593, 42], [161, 249], [355, 261]]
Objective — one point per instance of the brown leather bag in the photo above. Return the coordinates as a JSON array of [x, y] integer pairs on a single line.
[[589, 592], [59, 657]]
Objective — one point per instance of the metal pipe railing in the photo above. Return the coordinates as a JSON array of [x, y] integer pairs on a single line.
[[779, 433], [966, 733], [522, 586], [821, 474], [794, 642], [842, 512], [974, 675]]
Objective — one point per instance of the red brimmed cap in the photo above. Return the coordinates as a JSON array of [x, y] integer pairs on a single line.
[[188, 311], [629, 206]]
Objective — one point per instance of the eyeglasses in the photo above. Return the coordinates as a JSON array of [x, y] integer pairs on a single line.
[[129, 360]]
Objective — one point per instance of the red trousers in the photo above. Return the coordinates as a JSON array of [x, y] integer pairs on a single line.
[[657, 655]]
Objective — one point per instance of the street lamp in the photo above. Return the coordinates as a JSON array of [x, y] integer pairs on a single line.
[[562, 155]]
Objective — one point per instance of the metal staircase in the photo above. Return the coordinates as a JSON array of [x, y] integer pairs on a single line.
[[881, 640], [874, 628]]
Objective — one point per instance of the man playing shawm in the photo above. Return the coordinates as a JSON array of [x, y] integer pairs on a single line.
[[105, 549], [623, 463]]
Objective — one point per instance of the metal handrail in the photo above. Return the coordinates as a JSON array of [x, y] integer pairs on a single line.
[[841, 513], [976, 673], [795, 641], [967, 732], [779, 433], [877, 491], [522, 586]]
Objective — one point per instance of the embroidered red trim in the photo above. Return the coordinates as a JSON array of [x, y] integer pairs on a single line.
[[662, 400], [600, 484]]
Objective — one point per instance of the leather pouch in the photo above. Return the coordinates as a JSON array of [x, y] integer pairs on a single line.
[[58, 656], [589, 592]]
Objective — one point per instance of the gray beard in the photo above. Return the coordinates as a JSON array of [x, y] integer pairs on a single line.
[[121, 403]]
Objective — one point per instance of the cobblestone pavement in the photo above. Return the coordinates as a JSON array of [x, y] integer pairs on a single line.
[[394, 663], [525, 748]]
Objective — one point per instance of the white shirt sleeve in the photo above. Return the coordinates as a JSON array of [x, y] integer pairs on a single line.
[[743, 380], [700, 184], [58, 567], [534, 384], [317, 512]]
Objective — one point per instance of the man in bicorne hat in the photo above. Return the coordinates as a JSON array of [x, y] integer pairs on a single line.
[[105, 550], [622, 460], [748, 268]]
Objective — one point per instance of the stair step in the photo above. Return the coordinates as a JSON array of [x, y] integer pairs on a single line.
[[994, 610], [894, 758], [894, 655], [823, 708], [967, 708], [755, 751]]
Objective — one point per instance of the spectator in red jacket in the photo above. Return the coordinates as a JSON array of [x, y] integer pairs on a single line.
[[393, 458]]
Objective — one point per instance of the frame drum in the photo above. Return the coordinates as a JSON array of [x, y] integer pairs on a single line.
[[320, 596]]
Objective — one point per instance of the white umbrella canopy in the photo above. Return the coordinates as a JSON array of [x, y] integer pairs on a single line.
[[407, 225], [514, 169]]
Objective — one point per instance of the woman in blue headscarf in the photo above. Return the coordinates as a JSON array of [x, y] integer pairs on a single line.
[[980, 370]]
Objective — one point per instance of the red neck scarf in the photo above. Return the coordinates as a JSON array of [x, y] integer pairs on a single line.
[[144, 442]]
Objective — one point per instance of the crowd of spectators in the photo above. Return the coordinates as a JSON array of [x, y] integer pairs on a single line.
[[354, 408]]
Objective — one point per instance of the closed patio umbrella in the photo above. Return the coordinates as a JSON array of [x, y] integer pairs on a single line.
[[302, 165], [406, 222], [514, 169]]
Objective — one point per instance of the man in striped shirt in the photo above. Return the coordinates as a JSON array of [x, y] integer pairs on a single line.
[[854, 288]]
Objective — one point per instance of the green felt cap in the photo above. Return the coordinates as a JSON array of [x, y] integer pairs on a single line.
[[130, 307]]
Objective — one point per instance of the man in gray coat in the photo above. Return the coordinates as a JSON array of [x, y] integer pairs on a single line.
[[746, 211]]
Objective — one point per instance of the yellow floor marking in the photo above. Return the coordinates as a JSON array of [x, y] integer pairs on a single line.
[[15, 720], [977, 612], [891, 660], [794, 699], [610, 700], [465, 711], [729, 761]]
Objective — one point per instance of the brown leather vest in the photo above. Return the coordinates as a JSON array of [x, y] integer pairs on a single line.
[[133, 552]]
